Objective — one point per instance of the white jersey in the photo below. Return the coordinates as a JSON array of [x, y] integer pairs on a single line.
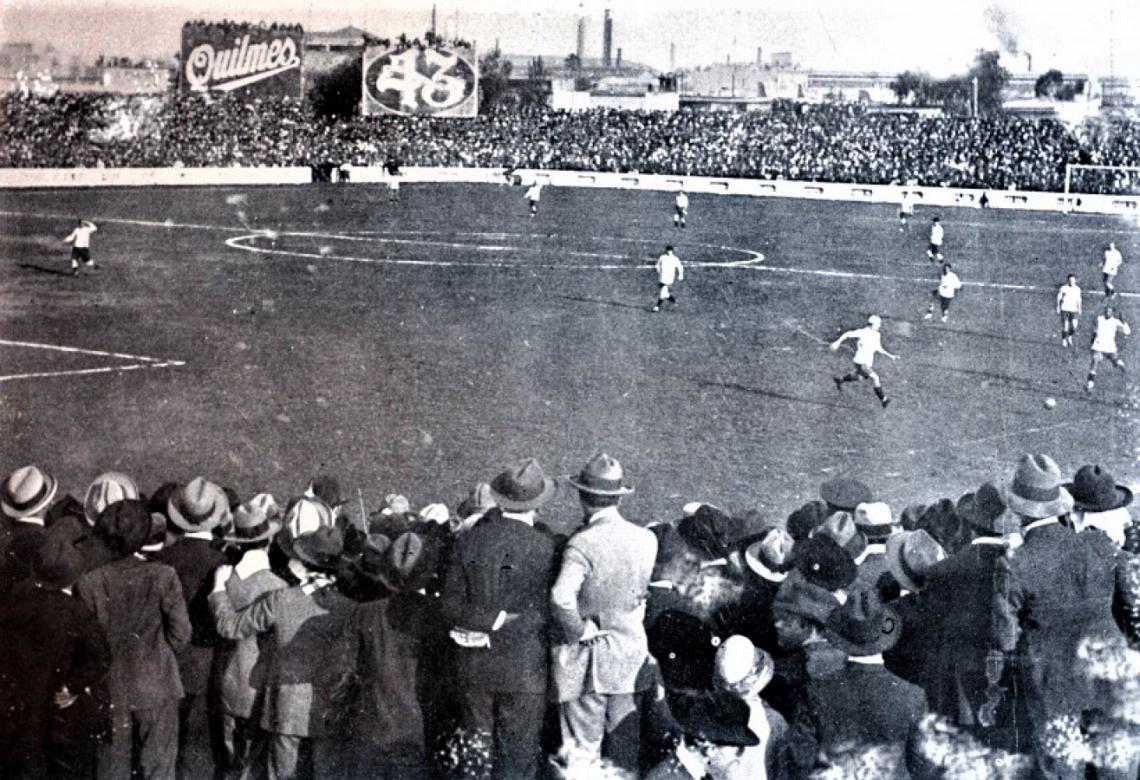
[[906, 205], [669, 269], [534, 192], [1069, 298], [682, 201], [1112, 261], [1106, 329], [936, 235], [949, 284], [80, 238], [868, 342]]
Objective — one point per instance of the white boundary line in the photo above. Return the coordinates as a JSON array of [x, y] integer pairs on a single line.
[[144, 362]]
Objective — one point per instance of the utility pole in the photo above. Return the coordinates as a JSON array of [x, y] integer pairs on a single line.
[[974, 102]]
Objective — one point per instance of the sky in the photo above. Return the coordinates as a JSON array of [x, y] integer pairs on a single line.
[[1097, 37]]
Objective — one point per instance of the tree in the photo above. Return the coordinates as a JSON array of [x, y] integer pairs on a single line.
[[337, 92], [573, 64], [911, 84], [1049, 83], [537, 85], [991, 79], [494, 80]]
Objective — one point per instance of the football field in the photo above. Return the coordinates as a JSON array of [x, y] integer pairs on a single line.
[[258, 336]]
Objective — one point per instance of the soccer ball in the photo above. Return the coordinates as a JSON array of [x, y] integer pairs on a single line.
[[1050, 403]]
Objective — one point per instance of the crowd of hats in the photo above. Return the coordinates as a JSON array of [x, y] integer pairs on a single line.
[[793, 141]]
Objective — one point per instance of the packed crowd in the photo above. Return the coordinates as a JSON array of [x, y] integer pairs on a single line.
[[229, 26], [990, 636], [840, 143]]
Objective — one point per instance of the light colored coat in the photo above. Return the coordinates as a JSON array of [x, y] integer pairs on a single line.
[[603, 584]]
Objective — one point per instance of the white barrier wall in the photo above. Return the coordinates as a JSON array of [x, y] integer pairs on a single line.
[[861, 193]]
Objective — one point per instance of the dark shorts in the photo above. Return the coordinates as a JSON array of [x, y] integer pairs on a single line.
[[1069, 317], [935, 249], [680, 211], [943, 302], [81, 253]]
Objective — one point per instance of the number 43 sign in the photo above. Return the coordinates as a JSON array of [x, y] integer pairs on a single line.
[[421, 81]]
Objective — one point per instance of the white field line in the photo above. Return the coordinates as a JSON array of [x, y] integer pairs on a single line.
[[88, 371], [80, 350]]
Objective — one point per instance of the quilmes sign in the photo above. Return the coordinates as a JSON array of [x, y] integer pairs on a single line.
[[229, 58], [421, 80]]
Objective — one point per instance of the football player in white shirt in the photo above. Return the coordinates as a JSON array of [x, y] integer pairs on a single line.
[[1104, 342], [681, 207], [1111, 267], [669, 270], [80, 240], [868, 343], [934, 251], [906, 209], [948, 285], [1069, 307], [533, 196]]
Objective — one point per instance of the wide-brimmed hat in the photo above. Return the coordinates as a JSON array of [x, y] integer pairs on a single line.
[[986, 509], [824, 563], [741, 667], [1036, 491], [307, 514], [685, 648], [718, 717], [57, 563], [863, 626], [845, 493], [411, 562], [320, 550], [709, 530], [27, 492], [799, 597], [942, 522], [840, 528], [198, 506], [874, 520], [478, 501], [806, 519], [107, 488], [326, 488], [910, 555], [601, 476], [771, 556], [523, 487], [255, 521], [370, 559], [1094, 489], [124, 527]]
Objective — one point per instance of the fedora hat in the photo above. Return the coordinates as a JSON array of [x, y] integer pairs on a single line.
[[863, 626], [845, 493], [741, 667], [770, 556], [1035, 491], [523, 487], [709, 530], [718, 717], [255, 521], [601, 476], [319, 550], [198, 506], [306, 514], [873, 519], [27, 492], [685, 648], [806, 519], [411, 562], [124, 527], [478, 501], [1095, 490], [840, 527], [326, 488], [370, 561], [910, 555], [824, 563], [57, 563], [943, 523], [799, 597], [986, 509], [107, 488]]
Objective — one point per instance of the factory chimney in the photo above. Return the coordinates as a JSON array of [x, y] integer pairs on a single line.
[[607, 40], [433, 19], [581, 49], [617, 64], [672, 57], [759, 55]]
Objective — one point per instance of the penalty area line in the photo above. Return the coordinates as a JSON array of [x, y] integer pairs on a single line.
[[89, 371]]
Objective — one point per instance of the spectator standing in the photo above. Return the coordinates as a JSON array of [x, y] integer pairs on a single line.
[[598, 602], [495, 600], [140, 606], [24, 499]]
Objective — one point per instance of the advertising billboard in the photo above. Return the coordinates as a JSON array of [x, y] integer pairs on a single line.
[[244, 58], [437, 80]]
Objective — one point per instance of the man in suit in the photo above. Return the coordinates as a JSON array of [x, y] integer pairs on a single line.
[[495, 600], [24, 499], [195, 510], [598, 602], [139, 603], [307, 626], [1062, 588]]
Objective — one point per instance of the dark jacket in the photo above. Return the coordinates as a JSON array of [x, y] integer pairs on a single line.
[[195, 560], [18, 541], [501, 565], [1063, 586], [967, 617], [51, 641], [140, 606]]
